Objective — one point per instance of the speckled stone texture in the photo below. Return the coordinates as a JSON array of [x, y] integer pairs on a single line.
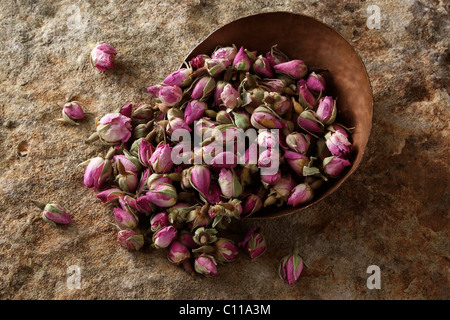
[[392, 212]]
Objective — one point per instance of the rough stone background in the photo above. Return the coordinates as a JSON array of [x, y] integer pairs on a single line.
[[392, 212]]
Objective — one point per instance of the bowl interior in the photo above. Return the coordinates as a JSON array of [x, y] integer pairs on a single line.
[[319, 46]]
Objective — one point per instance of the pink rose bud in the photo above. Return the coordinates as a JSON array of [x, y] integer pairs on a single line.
[[154, 179], [177, 124], [305, 97], [268, 158], [178, 253], [125, 110], [203, 88], [220, 85], [226, 251], [205, 264], [97, 171], [252, 204], [143, 181], [295, 68], [194, 111], [308, 121], [275, 56], [164, 237], [326, 111], [229, 183], [302, 193], [254, 243], [230, 97], [216, 66], [110, 195], [296, 161], [226, 53], [126, 179], [316, 82], [127, 203], [333, 166], [291, 267], [225, 159], [281, 191], [338, 144], [242, 61], [223, 117], [145, 152], [72, 111], [179, 78], [144, 206], [267, 139], [129, 163], [114, 128], [338, 127], [103, 56], [271, 179], [125, 219], [161, 159], [242, 119], [298, 142], [275, 85], [159, 221], [130, 240], [170, 95], [143, 114], [198, 61], [278, 103], [53, 213], [262, 67], [263, 118], [163, 195], [213, 195], [200, 178]]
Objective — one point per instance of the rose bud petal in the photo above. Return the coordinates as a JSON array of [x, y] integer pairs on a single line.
[[333, 166], [130, 240], [203, 88], [296, 69], [213, 195], [198, 61], [53, 213], [226, 251], [73, 111], [178, 253], [110, 195], [225, 159], [230, 97], [338, 127], [177, 124], [242, 61], [179, 78], [216, 66], [187, 239], [262, 118], [159, 221], [229, 183], [125, 219], [308, 121], [338, 144], [271, 179], [161, 159], [326, 111], [170, 95], [278, 103], [252, 204], [194, 111], [114, 128], [103, 56], [298, 142], [262, 67], [305, 97], [254, 243], [97, 171], [145, 152], [129, 163], [163, 195], [316, 82], [163, 238], [205, 264], [226, 53], [291, 267], [302, 193], [296, 161], [144, 205], [200, 178], [275, 56]]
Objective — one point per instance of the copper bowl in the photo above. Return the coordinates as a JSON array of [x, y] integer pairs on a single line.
[[321, 47]]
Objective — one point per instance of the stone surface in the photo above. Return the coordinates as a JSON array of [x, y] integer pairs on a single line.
[[392, 212]]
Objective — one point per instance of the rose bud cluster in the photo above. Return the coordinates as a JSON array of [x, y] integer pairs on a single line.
[[225, 136]]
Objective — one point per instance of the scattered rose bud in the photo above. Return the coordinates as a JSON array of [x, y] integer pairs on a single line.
[[114, 128], [163, 195], [125, 218], [53, 213], [253, 203], [97, 171], [103, 56], [130, 240], [109, 195], [226, 251], [73, 111], [254, 243], [205, 264], [291, 267], [178, 253]]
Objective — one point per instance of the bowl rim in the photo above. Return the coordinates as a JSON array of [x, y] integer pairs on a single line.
[[332, 29]]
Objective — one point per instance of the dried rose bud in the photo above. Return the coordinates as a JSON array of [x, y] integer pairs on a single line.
[[302, 193], [145, 152], [114, 128], [144, 206], [338, 127], [129, 162], [180, 78], [271, 179], [281, 191], [229, 183], [170, 95], [291, 267], [254, 243], [103, 56], [187, 239], [198, 217], [198, 61], [267, 139], [296, 161], [309, 122], [262, 67], [178, 253], [110, 195], [226, 53], [242, 61], [194, 111], [143, 114], [275, 85], [127, 203], [161, 158], [326, 111], [53, 213], [252, 204], [164, 237], [97, 171], [178, 213], [316, 82], [125, 218], [177, 124], [298, 142], [73, 111], [216, 66], [163, 195], [156, 178], [125, 110], [269, 158], [230, 97], [159, 221], [226, 251], [225, 159], [242, 119], [213, 195], [305, 97], [278, 103], [296, 69], [200, 178], [275, 56], [130, 240], [334, 165], [205, 264], [204, 236], [263, 118], [203, 88], [338, 144]]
